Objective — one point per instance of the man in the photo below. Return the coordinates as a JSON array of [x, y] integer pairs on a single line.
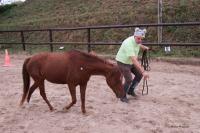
[[127, 61]]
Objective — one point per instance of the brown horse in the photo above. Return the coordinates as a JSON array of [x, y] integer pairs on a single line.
[[73, 68]]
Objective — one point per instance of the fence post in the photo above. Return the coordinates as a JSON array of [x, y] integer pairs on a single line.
[[88, 35], [22, 40], [51, 40]]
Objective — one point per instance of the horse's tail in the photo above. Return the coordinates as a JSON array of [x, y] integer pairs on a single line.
[[26, 81]]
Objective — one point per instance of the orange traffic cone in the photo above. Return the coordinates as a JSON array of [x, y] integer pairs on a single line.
[[7, 59]]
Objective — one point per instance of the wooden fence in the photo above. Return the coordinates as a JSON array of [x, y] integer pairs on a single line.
[[88, 29]]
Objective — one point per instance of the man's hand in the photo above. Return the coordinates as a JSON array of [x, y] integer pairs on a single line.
[[147, 48]]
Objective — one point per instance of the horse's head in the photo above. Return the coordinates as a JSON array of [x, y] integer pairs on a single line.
[[114, 81]]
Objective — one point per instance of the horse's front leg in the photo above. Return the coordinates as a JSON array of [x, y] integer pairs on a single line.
[[72, 89], [82, 91]]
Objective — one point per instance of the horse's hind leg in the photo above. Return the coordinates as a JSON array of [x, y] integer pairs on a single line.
[[32, 89], [82, 90], [72, 90], [43, 94]]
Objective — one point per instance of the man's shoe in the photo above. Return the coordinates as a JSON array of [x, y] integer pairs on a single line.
[[132, 94], [124, 99]]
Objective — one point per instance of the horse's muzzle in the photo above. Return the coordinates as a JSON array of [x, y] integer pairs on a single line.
[[120, 95]]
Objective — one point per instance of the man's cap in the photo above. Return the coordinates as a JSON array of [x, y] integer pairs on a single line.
[[140, 32]]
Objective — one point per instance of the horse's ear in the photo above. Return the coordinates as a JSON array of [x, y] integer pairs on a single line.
[[93, 53], [116, 68], [111, 62]]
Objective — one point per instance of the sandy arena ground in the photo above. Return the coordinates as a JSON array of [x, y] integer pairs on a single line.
[[172, 106]]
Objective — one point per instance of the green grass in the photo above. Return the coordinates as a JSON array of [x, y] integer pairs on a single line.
[[34, 14]]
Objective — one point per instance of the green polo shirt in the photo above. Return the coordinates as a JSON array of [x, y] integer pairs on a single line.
[[128, 48]]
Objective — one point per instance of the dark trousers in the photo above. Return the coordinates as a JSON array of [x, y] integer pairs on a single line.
[[130, 84]]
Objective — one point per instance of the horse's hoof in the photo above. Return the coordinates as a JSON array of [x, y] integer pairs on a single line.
[[83, 111], [65, 109], [52, 109], [22, 106]]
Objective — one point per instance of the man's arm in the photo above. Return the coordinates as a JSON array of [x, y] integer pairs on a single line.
[[139, 67], [143, 47], [136, 64]]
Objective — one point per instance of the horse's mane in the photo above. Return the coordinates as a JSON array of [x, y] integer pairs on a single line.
[[93, 58]]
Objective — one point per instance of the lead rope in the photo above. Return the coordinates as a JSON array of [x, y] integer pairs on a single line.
[[145, 64]]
